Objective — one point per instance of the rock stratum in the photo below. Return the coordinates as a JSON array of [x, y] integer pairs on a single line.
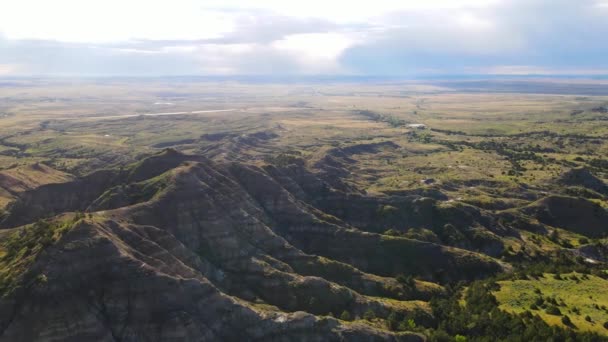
[[179, 247]]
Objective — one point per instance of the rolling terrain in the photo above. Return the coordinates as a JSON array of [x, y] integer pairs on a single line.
[[361, 212]]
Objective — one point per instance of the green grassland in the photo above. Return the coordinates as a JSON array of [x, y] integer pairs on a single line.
[[583, 298]]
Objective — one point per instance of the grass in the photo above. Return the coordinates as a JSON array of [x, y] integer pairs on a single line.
[[19, 249], [576, 298]]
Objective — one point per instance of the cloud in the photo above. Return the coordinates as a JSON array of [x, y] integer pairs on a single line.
[[9, 69], [383, 37], [559, 35], [42, 57], [36, 57]]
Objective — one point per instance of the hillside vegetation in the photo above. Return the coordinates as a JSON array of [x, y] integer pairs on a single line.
[[396, 212]]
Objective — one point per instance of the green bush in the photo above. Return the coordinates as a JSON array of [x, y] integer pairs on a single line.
[[553, 310], [392, 232], [369, 315], [460, 338], [392, 321], [410, 324], [345, 316], [482, 320]]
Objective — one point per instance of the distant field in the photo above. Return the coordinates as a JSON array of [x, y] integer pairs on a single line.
[[77, 126]]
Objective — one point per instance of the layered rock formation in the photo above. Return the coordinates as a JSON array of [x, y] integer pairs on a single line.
[[178, 247]]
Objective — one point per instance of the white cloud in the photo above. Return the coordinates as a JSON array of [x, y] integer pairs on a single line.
[[602, 4], [110, 20], [300, 37], [349, 10], [120, 20], [9, 69], [317, 52]]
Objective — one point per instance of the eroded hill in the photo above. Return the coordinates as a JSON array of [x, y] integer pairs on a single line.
[[232, 235], [307, 220]]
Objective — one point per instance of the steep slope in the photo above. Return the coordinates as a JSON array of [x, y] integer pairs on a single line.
[[105, 281], [52, 199], [576, 214], [582, 177], [399, 211], [22, 178], [179, 247]]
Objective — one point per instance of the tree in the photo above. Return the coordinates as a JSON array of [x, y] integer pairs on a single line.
[[406, 280], [369, 315], [345, 316], [392, 320], [460, 338], [312, 302], [553, 310], [407, 324]]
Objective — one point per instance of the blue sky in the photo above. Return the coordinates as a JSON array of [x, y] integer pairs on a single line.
[[313, 37]]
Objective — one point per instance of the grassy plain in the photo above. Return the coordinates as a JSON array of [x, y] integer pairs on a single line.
[[583, 298]]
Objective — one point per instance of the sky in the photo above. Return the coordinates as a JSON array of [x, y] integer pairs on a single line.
[[311, 37]]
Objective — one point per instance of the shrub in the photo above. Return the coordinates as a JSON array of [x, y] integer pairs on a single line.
[[551, 300], [345, 316], [460, 338], [566, 320], [392, 320], [369, 315], [406, 280], [387, 211], [405, 326], [392, 232], [553, 310]]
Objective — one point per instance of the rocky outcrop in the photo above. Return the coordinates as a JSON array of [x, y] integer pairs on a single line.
[[52, 199], [178, 247], [576, 214], [105, 281]]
